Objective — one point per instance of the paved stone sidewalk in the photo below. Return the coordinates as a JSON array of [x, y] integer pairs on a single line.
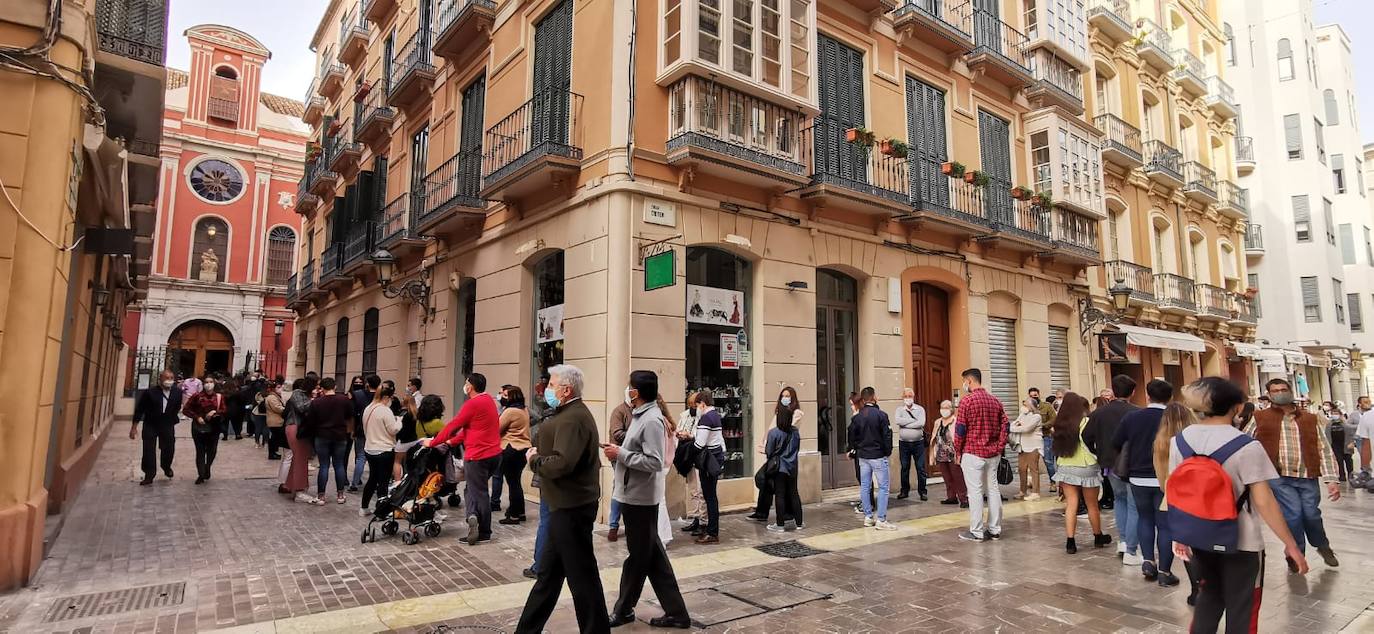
[[233, 553]]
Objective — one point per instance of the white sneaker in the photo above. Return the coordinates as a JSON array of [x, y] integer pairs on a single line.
[[868, 520], [1032, 497], [304, 497], [1120, 547], [858, 509], [1132, 559], [884, 525]]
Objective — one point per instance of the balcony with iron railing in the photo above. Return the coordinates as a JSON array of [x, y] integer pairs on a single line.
[[1122, 144], [360, 245], [1199, 182], [849, 176], [412, 71], [1175, 293], [1163, 164], [1245, 155], [1254, 239], [323, 181], [1019, 221], [342, 153], [375, 11], [1057, 82], [372, 117], [458, 30], [540, 142], [133, 29], [946, 25], [1190, 72], [1221, 97], [353, 33], [1111, 18], [1139, 278], [306, 201], [292, 292], [1213, 302], [1075, 237], [1246, 310], [332, 76], [314, 104], [1000, 51], [398, 231], [449, 201], [735, 135], [332, 267], [1232, 200], [1155, 45]]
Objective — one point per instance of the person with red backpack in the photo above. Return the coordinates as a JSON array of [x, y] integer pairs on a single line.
[[1218, 493], [1298, 445]]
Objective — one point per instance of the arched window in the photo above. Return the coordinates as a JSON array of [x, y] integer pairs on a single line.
[[1197, 256], [1285, 49], [223, 105], [1333, 112], [370, 319], [1187, 138], [1151, 117], [341, 352], [1162, 239], [1106, 97], [209, 250], [1230, 271], [281, 255]]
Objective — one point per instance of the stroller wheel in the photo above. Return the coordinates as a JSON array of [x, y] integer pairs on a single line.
[[406, 538], [365, 532], [455, 500], [432, 529], [390, 527]]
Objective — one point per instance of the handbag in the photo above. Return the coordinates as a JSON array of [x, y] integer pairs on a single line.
[[1122, 467], [1004, 472], [685, 457]]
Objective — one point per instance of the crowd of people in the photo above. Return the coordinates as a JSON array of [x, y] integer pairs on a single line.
[[1235, 465]]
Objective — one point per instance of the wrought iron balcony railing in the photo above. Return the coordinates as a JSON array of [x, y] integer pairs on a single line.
[[1198, 178], [360, 243], [1175, 291], [455, 183], [953, 14], [1233, 197], [136, 29], [1075, 232], [1254, 237], [1121, 136], [399, 221], [990, 33], [704, 113], [1213, 300], [549, 124], [835, 161], [1245, 149], [1163, 159], [413, 57], [1190, 71], [1138, 278]]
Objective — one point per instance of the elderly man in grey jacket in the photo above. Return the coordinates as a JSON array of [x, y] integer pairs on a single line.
[[911, 442], [639, 461]]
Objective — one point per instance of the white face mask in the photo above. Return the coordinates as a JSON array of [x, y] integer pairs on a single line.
[[628, 400], [786, 401], [909, 401], [946, 412], [167, 385], [209, 387]]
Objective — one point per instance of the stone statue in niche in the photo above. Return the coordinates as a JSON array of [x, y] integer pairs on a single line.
[[209, 266]]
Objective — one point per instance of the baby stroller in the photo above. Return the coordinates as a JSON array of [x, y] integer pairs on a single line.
[[415, 498]]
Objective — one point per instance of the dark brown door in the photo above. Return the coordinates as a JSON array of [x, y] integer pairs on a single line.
[[204, 346], [837, 362], [930, 347]]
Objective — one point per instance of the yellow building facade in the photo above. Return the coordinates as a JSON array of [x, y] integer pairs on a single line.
[[79, 173], [1176, 220], [739, 196]]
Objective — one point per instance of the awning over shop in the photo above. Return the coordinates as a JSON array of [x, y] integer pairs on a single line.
[[1247, 350], [1154, 338], [1272, 361], [1297, 358]]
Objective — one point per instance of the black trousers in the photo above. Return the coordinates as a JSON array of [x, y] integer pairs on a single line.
[[568, 555], [378, 475], [207, 444], [913, 451], [512, 465], [1229, 585], [478, 474], [647, 560], [276, 439], [765, 497], [788, 499], [158, 437]]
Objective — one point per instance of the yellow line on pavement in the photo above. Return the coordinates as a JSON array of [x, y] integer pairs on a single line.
[[390, 615]]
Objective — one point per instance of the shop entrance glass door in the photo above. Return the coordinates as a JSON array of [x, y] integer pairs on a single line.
[[836, 362]]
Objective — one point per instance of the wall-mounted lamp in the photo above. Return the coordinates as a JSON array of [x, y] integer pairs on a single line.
[[414, 291], [101, 295], [278, 327], [1090, 316], [796, 285]]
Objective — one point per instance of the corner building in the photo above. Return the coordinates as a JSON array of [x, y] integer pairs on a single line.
[[532, 168], [1175, 216]]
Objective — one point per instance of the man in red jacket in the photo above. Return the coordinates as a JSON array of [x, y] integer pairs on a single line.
[[478, 428]]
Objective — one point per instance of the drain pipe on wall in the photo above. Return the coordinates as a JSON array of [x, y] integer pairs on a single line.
[[630, 132]]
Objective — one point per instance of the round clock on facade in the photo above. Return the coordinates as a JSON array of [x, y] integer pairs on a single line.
[[216, 181]]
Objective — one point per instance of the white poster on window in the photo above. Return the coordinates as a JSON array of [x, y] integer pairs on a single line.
[[715, 306], [729, 352], [550, 324]]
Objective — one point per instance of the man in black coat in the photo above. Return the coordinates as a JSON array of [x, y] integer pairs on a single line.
[[157, 408], [1107, 420]]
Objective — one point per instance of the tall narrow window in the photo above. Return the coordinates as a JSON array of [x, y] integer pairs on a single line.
[[1327, 218], [1321, 140], [672, 31], [222, 106], [1333, 112], [281, 252], [1339, 295], [801, 48], [1347, 233], [1311, 300], [1292, 135], [1040, 162], [1338, 172], [1356, 312], [1230, 43], [1368, 247], [341, 352], [708, 31], [1359, 176], [370, 319], [1252, 282], [1302, 218], [742, 37], [770, 42], [1285, 50]]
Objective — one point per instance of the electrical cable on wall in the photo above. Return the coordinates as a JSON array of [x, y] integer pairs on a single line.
[[35, 229]]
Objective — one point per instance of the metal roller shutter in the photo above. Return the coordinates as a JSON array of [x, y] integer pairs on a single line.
[[1059, 358], [1002, 352]]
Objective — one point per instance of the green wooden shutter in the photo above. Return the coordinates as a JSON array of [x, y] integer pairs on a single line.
[[552, 76], [841, 82], [925, 125], [994, 141], [469, 168]]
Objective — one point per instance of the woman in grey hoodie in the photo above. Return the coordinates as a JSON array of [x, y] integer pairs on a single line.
[[295, 476]]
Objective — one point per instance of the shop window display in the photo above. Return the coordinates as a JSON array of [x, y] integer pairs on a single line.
[[717, 346], [548, 314]]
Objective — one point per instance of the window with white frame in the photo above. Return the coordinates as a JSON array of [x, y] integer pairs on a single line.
[[1338, 172], [1302, 218], [1230, 43], [1338, 293], [1356, 312], [768, 43], [1292, 135], [1285, 55], [1311, 299], [1333, 111]]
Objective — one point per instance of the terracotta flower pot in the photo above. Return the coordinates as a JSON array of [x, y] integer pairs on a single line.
[[947, 168], [970, 176]]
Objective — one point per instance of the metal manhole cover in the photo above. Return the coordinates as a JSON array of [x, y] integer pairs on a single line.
[[115, 601], [791, 549]]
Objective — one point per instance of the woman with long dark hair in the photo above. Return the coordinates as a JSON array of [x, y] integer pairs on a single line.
[[515, 443], [1076, 469], [1247, 412], [783, 444]]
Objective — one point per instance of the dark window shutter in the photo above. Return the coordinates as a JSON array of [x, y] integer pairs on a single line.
[[1301, 211], [469, 168], [841, 81], [994, 139], [925, 123], [367, 208]]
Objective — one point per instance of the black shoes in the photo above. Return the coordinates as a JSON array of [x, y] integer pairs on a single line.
[[674, 622], [1149, 570], [1101, 539], [147, 480], [963, 505], [496, 505], [1070, 546], [1329, 556], [352, 489], [167, 471], [509, 521], [924, 497], [950, 501], [274, 456], [903, 495], [627, 618], [756, 517], [694, 527], [529, 573], [200, 480], [1167, 580]]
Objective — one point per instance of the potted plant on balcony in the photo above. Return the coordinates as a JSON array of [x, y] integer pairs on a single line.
[[1042, 199], [980, 179], [1020, 192], [895, 148], [312, 151], [334, 127], [952, 169], [1251, 292], [363, 90], [860, 136]]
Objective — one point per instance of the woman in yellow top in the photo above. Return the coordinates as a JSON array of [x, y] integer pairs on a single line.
[[1076, 470], [515, 442]]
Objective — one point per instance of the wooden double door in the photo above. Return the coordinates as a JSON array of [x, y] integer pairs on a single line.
[[201, 348], [930, 352]]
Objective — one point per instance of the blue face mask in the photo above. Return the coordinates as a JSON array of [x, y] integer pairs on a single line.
[[550, 398]]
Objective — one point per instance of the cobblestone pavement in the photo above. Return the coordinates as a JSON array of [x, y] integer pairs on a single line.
[[234, 554]]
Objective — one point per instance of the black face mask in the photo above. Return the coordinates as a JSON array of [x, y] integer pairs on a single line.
[[505, 402]]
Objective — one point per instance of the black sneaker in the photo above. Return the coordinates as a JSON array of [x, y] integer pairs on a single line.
[[950, 501], [1070, 546], [1149, 570], [924, 497], [529, 573], [693, 527], [963, 505], [496, 505], [472, 536], [756, 518], [1167, 580], [352, 489]]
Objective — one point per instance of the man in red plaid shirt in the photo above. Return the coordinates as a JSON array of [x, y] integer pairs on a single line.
[[980, 434]]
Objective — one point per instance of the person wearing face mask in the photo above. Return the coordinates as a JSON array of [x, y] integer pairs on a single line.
[[362, 392], [1025, 437], [942, 457], [980, 435], [380, 427], [782, 447], [620, 419], [413, 387], [515, 442], [206, 410], [911, 443], [275, 419], [477, 427], [1296, 442], [710, 443], [157, 409]]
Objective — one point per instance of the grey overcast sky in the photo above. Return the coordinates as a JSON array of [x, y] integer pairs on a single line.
[[1356, 18], [283, 26]]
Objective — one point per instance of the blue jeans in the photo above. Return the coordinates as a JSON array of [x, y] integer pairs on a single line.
[[1152, 527], [1048, 455], [615, 513], [541, 534], [1298, 499], [1126, 514], [359, 459], [868, 469], [336, 452]]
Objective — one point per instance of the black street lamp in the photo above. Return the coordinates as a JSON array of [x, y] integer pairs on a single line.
[[414, 291], [1090, 316]]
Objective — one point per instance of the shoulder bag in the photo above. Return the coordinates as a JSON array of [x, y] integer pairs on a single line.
[[1005, 474]]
